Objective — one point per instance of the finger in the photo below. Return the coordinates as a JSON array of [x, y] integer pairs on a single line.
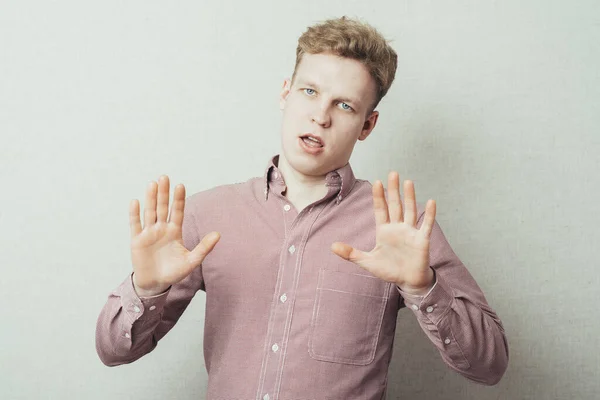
[[394, 204], [347, 252], [427, 225], [379, 204], [178, 205], [135, 224], [162, 207], [205, 246], [410, 215], [150, 206]]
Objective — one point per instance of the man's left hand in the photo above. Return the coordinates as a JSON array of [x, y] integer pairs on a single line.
[[401, 253]]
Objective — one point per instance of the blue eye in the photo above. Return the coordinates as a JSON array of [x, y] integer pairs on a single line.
[[348, 107], [310, 94]]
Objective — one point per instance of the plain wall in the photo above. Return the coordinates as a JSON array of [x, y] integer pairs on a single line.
[[494, 113]]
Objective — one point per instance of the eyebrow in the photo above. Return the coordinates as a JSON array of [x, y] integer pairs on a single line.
[[312, 84]]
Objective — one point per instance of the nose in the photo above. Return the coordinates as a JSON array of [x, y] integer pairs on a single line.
[[320, 115]]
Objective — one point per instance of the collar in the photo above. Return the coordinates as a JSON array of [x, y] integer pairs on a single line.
[[339, 180]]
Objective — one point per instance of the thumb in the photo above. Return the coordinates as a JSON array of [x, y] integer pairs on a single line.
[[347, 252], [205, 246]]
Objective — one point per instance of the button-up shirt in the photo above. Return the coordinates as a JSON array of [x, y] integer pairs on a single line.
[[286, 318]]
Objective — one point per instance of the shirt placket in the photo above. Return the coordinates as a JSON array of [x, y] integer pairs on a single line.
[[282, 305]]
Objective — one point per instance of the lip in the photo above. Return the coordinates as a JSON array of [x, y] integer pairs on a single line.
[[309, 150], [320, 139]]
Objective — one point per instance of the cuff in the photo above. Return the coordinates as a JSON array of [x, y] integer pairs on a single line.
[[432, 306], [140, 308]]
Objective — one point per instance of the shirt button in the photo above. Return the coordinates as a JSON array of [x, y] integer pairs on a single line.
[[152, 308], [429, 309], [136, 309], [447, 340], [275, 348], [415, 307], [266, 190], [286, 207], [340, 197], [292, 249], [266, 396], [127, 335], [283, 298]]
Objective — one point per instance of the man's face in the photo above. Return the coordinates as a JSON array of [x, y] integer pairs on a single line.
[[330, 98]]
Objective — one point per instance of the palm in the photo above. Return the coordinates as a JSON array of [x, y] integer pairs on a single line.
[[401, 253], [159, 256], [398, 244], [161, 252]]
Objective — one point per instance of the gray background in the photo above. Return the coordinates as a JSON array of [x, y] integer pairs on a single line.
[[494, 113]]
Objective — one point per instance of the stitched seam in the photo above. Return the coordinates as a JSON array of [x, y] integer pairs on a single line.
[[354, 293]]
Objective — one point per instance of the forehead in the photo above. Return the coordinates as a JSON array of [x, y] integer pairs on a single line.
[[339, 76]]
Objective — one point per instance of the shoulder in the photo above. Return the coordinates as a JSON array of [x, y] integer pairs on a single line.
[[218, 195]]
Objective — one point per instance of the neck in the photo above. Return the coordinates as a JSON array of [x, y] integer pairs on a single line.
[[301, 189]]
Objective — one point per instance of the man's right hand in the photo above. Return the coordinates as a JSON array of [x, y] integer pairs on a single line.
[[157, 252]]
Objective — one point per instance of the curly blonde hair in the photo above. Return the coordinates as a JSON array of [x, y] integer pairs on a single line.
[[353, 39]]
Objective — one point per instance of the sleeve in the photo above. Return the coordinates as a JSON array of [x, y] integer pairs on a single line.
[[129, 327], [456, 317]]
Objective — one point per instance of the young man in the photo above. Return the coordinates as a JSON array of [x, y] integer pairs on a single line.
[[296, 305]]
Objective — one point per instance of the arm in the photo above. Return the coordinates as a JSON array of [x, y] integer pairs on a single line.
[[130, 326], [451, 309], [457, 319]]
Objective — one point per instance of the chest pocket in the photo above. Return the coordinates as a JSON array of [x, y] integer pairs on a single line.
[[347, 317]]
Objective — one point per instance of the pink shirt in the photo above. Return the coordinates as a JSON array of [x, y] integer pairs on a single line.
[[286, 318]]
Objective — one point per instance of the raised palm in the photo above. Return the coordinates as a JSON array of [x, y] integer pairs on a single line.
[[401, 253], [158, 254]]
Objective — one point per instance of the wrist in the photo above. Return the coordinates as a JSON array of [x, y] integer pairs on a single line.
[[148, 292], [420, 291]]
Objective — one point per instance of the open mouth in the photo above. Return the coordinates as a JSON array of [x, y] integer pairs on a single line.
[[311, 142]]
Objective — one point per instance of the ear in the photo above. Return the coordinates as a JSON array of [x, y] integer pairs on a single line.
[[368, 126], [285, 91]]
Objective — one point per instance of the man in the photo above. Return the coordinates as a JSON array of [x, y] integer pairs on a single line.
[[296, 305]]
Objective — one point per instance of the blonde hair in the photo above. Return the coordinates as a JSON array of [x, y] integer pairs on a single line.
[[356, 40]]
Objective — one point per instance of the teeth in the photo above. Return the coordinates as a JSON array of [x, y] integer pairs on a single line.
[[314, 140]]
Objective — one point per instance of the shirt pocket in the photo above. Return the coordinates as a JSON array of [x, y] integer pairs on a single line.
[[347, 317]]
